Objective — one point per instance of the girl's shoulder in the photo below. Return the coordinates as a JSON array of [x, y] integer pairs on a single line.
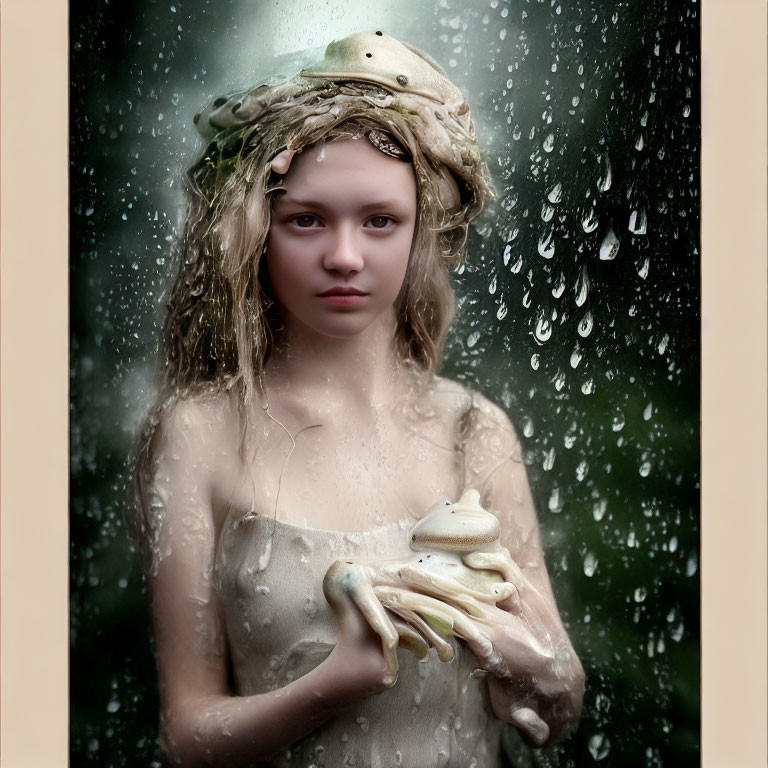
[[196, 423], [474, 411]]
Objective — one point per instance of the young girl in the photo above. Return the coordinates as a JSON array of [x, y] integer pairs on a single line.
[[301, 420]]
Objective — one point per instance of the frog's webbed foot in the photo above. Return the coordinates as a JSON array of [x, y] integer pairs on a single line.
[[501, 561], [347, 584], [445, 651], [409, 637], [473, 601]]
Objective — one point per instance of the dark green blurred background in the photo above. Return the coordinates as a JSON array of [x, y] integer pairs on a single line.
[[579, 313]]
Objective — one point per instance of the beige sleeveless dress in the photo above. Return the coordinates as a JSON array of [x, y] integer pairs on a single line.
[[279, 625]]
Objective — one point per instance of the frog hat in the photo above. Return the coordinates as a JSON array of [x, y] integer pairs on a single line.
[[366, 75]]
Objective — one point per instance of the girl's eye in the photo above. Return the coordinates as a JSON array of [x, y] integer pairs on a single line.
[[305, 221], [380, 222]]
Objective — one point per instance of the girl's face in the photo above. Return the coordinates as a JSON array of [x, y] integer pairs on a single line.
[[340, 239]]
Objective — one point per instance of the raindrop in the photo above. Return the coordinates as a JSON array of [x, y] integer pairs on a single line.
[[640, 594], [686, 110], [618, 423], [547, 245], [543, 330], [559, 287], [473, 338], [535, 360], [676, 633], [590, 564], [501, 312], [528, 429], [663, 344], [589, 222], [555, 504], [575, 101], [555, 194], [604, 184], [113, 706], [585, 326], [576, 357], [364, 724], [692, 564], [642, 268], [639, 144], [547, 212], [673, 544], [598, 510], [610, 246], [645, 469], [599, 746], [638, 222], [492, 286], [507, 254], [517, 266], [549, 459], [559, 381], [582, 470], [582, 287], [588, 387], [648, 412], [549, 142]]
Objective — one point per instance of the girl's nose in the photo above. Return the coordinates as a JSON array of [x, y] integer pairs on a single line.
[[343, 254]]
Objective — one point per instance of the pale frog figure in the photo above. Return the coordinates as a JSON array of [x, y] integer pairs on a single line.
[[449, 586]]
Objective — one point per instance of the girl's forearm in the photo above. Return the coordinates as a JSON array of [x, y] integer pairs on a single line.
[[241, 730]]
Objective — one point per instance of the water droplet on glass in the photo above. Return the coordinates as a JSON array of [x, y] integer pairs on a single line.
[[604, 184], [556, 193], [501, 312], [642, 268], [113, 706], [676, 633], [559, 287], [364, 724], [507, 254], [638, 222], [598, 509], [618, 423], [645, 469], [492, 286], [647, 412], [547, 212], [589, 222], [549, 459], [686, 110], [588, 387], [549, 142], [543, 330], [610, 246], [663, 343], [555, 505], [640, 594], [590, 564], [673, 544], [585, 325], [559, 381], [528, 429], [547, 245], [518, 265], [582, 470], [582, 287], [576, 357], [599, 746], [473, 338], [640, 143], [692, 564]]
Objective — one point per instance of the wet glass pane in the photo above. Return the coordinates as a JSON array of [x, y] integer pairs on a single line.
[[578, 313]]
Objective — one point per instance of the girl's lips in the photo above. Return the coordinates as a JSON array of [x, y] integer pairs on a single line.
[[340, 290], [342, 296]]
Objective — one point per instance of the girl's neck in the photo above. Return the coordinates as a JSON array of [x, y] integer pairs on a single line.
[[362, 370]]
